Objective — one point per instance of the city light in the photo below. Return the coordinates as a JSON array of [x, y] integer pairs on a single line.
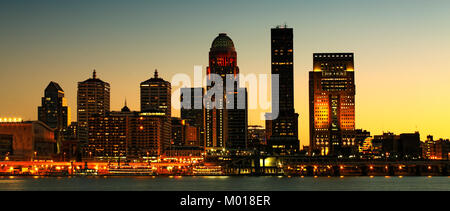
[[10, 119]]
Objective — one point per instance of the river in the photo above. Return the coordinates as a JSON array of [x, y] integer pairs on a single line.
[[224, 183]]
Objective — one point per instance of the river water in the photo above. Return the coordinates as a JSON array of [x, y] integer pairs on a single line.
[[224, 183]]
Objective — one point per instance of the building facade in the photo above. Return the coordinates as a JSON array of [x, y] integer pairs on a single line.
[[93, 98], [183, 134], [403, 146], [54, 111], [436, 149], [256, 137], [25, 141], [282, 131], [156, 94], [124, 134], [226, 116], [332, 104], [193, 111]]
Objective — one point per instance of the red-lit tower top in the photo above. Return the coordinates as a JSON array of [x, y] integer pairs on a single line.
[[222, 56]]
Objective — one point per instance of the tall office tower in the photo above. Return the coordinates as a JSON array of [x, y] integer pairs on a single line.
[[195, 116], [92, 99], [282, 131], [226, 126], [156, 94], [332, 104], [54, 110]]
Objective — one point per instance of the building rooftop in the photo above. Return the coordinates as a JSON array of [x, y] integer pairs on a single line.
[[54, 85], [222, 41], [94, 78], [154, 79]]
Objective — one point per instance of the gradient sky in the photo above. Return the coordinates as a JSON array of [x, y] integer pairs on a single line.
[[402, 51]]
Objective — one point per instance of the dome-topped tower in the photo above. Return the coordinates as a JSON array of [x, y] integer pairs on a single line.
[[223, 53], [222, 41], [225, 127]]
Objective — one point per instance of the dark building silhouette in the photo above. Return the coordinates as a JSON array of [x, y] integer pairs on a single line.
[[226, 127], [332, 104], [156, 94], [282, 132], [93, 98], [403, 146], [194, 115], [54, 111]]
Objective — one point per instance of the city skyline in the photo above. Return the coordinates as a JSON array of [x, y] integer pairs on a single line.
[[393, 93]]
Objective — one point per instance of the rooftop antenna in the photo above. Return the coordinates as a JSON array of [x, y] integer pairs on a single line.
[[94, 74], [156, 73]]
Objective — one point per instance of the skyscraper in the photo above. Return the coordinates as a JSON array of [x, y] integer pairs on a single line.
[[92, 99], [332, 104], [282, 131], [54, 110], [226, 126], [156, 94]]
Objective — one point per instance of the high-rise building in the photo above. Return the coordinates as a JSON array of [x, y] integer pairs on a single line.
[[92, 99], [156, 94], [54, 111], [226, 123], [282, 128], [107, 136], [194, 115], [332, 104]]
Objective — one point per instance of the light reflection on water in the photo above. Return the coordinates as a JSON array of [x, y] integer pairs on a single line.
[[212, 183]]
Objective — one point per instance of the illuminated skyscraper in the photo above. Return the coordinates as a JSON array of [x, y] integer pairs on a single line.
[[226, 127], [332, 104], [282, 132], [156, 95], [54, 110], [92, 99]]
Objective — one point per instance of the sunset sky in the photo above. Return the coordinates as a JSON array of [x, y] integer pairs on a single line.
[[401, 47]]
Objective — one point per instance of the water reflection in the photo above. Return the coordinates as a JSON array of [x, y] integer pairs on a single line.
[[212, 183]]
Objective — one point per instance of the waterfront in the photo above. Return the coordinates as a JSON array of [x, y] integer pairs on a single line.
[[225, 183]]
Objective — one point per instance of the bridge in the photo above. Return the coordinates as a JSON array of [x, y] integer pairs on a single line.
[[327, 166]]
